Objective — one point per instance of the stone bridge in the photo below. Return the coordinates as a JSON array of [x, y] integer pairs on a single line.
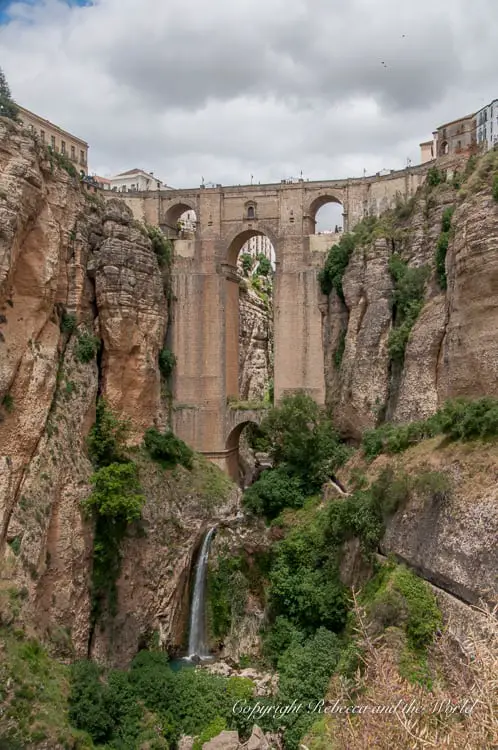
[[204, 330]]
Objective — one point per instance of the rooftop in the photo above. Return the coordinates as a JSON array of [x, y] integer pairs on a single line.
[[459, 119], [51, 125]]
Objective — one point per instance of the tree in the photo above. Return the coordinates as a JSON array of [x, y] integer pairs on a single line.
[[8, 107], [304, 441]]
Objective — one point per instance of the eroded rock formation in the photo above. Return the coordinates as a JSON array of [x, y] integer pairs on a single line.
[[452, 349], [74, 270], [255, 344]]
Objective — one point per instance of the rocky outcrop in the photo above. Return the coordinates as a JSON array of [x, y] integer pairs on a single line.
[[132, 317], [446, 530], [255, 343], [154, 583], [246, 541], [74, 270], [452, 349], [230, 741]]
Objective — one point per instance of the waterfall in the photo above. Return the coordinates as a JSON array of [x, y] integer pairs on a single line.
[[197, 636]]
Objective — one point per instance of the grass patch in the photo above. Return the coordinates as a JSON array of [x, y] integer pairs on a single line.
[[33, 696]]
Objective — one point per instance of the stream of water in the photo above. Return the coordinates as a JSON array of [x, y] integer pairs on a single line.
[[197, 634]]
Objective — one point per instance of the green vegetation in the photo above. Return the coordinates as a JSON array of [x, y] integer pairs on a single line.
[[68, 323], [230, 579], [234, 403], [15, 545], [303, 440], [274, 491], [435, 177], [495, 188], [389, 438], [407, 302], [107, 437], [470, 167], [404, 208], [87, 346], [458, 419], [152, 702], [461, 419], [167, 449], [62, 161], [264, 267], [8, 403], [257, 439], [330, 277], [161, 245], [247, 262], [115, 503], [212, 730], [442, 246], [116, 495], [33, 696], [167, 362], [8, 107], [396, 597]]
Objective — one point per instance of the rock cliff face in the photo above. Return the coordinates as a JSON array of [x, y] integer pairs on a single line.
[[255, 344], [448, 537], [452, 348], [73, 271]]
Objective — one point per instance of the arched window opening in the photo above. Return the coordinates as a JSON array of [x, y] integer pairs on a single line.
[[329, 219], [247, 453], [180, 222], [250, 212], [326, 216], [249, 318]]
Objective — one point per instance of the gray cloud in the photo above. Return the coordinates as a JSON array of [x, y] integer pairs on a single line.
[[265, 87]]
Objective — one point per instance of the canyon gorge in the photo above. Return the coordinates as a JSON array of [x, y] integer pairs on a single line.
[[86, 308]]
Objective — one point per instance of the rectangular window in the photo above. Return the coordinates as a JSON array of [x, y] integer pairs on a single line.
[[63, 147], [82, 157], [73, 152], [42, 136], [52, 141]]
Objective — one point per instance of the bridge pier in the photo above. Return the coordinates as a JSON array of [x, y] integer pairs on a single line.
[[204, 323]]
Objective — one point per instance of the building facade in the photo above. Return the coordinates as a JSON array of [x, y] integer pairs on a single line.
[[457, 136], [136, 180], [427, 151], [487, 126], [58, 139]]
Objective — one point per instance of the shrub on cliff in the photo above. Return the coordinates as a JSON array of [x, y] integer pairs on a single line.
[[168, 449], [462, 419], [161, 245], [106, 439], [116, 493], [495, 188], [407, 302], [335, 265], [459, 419], [167, 362], [87, 346]]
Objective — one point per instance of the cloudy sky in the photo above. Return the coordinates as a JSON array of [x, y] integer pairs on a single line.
[[226, 89]]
